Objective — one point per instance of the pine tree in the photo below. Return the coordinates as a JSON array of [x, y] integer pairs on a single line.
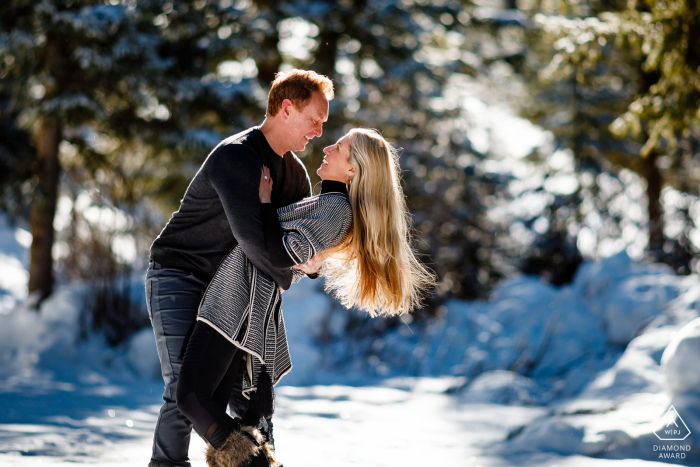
[[128, 85], [642, 59]]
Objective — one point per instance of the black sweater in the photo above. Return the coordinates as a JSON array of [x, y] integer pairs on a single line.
[[221, 208]]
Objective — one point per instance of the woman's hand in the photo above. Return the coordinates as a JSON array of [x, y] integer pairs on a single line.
[[312, 266], [265, 191]]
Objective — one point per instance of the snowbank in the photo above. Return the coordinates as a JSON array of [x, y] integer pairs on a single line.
[[561, 338], [680, 360], [625, 411], [502, 387], [53, 343]]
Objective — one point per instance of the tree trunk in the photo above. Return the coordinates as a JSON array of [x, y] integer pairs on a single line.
[[44, 209], [656, 222], [326, 52], [270, 64]]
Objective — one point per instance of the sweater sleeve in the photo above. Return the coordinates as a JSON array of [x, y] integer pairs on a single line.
[[274, 241], [234, 173], [318, 230]]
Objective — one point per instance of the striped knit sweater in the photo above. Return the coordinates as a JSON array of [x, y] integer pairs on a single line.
[[245, 305]]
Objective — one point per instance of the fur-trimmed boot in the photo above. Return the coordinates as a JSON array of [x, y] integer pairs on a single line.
[[244, 448]]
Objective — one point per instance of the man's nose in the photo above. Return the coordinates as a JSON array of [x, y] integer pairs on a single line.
[[319, 130]]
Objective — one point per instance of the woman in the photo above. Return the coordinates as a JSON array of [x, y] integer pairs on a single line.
[[359, 225]]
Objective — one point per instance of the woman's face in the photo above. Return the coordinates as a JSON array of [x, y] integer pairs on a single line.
[[336, 162]]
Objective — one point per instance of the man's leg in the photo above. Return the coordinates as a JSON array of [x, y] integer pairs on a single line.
[[173, 297]]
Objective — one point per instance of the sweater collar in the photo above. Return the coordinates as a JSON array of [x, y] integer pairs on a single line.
[[332, 186], [266, 144]]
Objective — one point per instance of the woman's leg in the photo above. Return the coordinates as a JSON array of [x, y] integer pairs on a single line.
[[206, 380]]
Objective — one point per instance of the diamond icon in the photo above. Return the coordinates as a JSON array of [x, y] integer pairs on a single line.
[[673, 428]]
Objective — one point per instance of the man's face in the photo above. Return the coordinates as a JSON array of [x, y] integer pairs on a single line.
[[307, 123]]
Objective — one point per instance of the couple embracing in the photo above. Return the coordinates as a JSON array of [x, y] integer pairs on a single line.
[[247, 228]]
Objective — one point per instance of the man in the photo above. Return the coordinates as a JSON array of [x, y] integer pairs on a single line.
[[220, 210]]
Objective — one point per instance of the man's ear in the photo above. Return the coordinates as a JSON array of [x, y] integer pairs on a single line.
[[287, 107]]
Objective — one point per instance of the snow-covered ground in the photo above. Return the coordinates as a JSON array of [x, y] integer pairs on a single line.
[[537, 376], [401, 423]]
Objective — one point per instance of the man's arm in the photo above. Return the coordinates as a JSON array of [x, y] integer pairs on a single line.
[[274, 237], [234, 173]]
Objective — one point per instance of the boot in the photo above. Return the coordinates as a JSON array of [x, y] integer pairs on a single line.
[[244, 448]]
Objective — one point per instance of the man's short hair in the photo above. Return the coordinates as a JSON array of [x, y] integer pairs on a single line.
[[297, 86]]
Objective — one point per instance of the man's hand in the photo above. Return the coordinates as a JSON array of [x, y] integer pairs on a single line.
[[265, 190], [312, 266]]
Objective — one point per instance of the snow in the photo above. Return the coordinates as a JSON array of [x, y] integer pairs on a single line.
[[534, 376], [14, 263], [616, 414], [502, 387], [679, 361], [143, 355]]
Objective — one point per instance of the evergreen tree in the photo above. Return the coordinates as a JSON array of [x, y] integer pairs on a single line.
[[632, 73], [128, 87]]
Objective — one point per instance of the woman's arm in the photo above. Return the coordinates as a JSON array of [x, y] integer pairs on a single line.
[[274, 234]]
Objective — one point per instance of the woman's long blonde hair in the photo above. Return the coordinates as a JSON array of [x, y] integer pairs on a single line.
[[375, 268]]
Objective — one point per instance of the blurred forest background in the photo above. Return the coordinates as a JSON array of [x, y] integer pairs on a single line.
[[107, 109]]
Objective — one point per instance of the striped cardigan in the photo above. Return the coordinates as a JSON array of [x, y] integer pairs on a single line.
[[245, 305]]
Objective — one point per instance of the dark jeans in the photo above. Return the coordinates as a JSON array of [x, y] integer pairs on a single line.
[[173, 298], [207, 377]]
